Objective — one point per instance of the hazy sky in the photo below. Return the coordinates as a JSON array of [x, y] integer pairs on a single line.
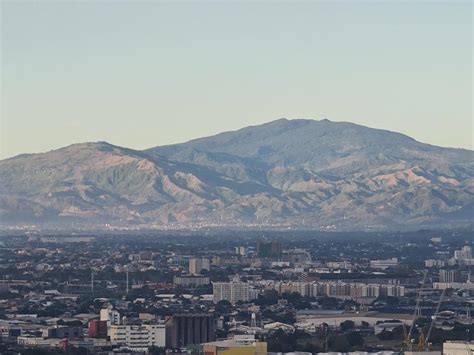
[[141, 74]]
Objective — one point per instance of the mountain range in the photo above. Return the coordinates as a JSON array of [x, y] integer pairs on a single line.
[[299, 173]]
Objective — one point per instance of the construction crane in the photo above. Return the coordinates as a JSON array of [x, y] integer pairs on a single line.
[[434, 318], [407, 341], [421, 342]]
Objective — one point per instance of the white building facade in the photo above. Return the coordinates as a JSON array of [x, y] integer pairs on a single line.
[[138, 337], [231, 291]]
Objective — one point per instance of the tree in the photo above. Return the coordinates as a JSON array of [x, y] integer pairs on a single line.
[[79, 351], [155, 350], [34, 352], [281, 342], [398, 332], [328, 302], [347, 325], [422, 322], [388, 300], [338, 343], [223, 307], [221, 333], [385, 335], [355, 339]]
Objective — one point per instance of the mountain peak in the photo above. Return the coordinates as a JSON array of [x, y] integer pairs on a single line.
[[293, 142]]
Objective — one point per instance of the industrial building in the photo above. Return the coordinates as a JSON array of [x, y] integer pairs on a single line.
[[185, 329], [239, 345]]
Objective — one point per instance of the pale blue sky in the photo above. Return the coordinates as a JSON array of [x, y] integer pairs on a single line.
[[141, 74]]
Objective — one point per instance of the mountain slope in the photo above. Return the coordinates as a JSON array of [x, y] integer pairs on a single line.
[[101, 182], [318, 173]]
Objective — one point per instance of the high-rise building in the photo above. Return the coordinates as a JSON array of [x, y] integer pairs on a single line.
[[268, 249], [138, 337], [449, 276], [110, 315], [463, 257], [393, 290], [185, 329], [231, 291], [464, 253], [196, 265], [241, 251]]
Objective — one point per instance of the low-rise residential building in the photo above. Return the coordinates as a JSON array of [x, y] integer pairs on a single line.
[[60, 331], [191, 280], [29, 341], [383, 264]]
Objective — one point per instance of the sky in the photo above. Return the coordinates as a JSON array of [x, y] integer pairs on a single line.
[[146, 73]]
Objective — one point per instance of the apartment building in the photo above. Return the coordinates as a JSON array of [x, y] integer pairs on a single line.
[[340, 289], [191, 280], [138, 337], [231, 291], [110, 315], [196, 265]]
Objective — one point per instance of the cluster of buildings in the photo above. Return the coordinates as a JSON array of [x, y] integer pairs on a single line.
[[341, 289], [234, 292], [461, 257], [110, 330], [455, 272], [216, 298], [182, 332]]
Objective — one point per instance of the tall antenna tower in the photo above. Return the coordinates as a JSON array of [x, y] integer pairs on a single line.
[[126, 276], [92, 281]]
